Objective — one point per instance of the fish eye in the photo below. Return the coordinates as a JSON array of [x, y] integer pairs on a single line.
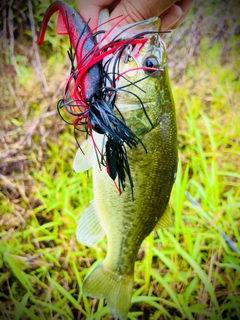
[[151, 62]]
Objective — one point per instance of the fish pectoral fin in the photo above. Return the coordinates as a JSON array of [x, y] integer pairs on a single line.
[[83, 160], [90, 230], [165, 220]]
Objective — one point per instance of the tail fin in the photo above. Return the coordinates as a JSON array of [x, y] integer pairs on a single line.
[[117, 289]]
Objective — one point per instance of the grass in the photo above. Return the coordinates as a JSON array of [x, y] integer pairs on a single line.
[[188, 271]]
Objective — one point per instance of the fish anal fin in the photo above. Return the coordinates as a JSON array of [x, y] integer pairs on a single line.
[[115, 288], [90, 230], [62, 29], [165, 220]]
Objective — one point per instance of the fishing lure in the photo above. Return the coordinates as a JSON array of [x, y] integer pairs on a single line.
[[90, 92]]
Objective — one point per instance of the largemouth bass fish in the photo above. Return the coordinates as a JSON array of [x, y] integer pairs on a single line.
[[130, 118], [126, 222]]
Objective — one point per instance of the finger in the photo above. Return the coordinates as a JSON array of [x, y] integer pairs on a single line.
[[90, 12], [170, 17], [186, 6], [90, 9]]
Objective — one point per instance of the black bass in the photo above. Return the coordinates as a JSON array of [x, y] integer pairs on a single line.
[[145, 102]]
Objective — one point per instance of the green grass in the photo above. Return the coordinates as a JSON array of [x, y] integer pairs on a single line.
[[188, 271]]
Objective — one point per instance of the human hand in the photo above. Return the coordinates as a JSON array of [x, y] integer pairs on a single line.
[[171, 12]]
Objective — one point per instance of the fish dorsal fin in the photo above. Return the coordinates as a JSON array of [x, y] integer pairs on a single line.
[[83, 160], [90, 230], [166, 220], [61, 25]]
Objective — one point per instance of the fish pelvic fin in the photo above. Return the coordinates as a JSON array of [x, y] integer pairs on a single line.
[[116, 289]]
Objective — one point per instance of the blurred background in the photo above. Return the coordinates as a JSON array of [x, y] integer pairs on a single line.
[[190, 271]]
